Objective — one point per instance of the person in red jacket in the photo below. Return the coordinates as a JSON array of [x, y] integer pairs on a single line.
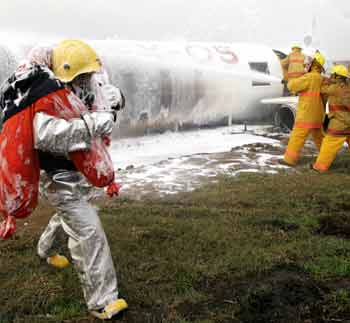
[[51, 123]]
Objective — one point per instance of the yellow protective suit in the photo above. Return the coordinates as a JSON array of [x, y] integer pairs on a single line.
[[293, 64], [338, 130], [310, 113]]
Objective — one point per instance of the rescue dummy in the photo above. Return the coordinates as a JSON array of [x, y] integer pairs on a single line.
[[310, 109], [338, 130], [48, 126]]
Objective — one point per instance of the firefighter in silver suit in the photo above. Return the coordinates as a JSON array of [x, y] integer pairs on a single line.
[[75, 63]]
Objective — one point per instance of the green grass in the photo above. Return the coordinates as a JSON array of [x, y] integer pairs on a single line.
[[252, 248]]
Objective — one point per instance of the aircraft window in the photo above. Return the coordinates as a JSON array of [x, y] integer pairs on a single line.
[[259, 83], [261, 67], [279, 54]]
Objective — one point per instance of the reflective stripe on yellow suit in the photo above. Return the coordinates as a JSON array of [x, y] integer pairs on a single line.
[[297, 141], [330, 147]]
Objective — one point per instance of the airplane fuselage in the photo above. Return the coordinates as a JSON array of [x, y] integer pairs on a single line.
[[180, 83]]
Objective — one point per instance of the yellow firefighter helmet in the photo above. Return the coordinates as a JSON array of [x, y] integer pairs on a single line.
[[73, 57], [319, 58], [340, 70], [296, 45]]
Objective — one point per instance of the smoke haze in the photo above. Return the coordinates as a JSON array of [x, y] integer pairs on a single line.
[[275, 23]]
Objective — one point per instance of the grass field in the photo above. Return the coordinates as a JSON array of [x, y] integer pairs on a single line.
[[251, 248]]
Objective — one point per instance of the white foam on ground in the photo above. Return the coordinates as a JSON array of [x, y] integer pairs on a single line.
[[180, 162], [156, 148]]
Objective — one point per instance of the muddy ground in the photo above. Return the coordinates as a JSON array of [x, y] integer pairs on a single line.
[[256, 242]]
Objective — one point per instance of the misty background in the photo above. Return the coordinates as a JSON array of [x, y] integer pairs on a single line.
[[275, 23]]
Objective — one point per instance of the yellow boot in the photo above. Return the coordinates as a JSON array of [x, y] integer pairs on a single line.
[[111, 309], [58, 261]]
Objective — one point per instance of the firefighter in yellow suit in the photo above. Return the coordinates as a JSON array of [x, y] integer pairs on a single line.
[[338, 131], [293, 64], [310, 110]]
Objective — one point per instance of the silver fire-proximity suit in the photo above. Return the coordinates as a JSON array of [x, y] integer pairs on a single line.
[[68, 191]]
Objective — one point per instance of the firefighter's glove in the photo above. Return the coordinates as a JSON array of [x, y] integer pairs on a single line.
[[113, 97], [113, 189], [7, 227], [106, 140], [99, 123]]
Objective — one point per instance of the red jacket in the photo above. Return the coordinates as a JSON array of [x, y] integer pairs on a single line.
[[19, 161]]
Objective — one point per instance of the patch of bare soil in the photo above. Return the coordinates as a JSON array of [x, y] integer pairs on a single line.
[[338, 225], [286, 294]]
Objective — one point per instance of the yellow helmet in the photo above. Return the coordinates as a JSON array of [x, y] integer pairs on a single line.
[[319, 58], [73, 57], [296, 45], [340, 70]]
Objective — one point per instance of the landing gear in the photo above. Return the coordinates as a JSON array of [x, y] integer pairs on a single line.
[[284, 117]]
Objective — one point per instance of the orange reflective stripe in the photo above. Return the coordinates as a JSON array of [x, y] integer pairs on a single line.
[[336, 132], [308, 125], [320, 167], [339, 107], [310, 94], [296, 61], [295, 74], [292, 154]]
